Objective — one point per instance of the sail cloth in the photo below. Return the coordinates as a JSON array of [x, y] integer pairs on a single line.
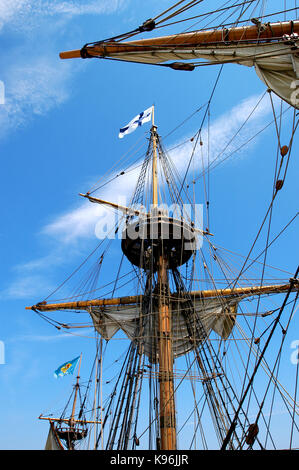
[[53, 441], [271, 48], [189, 327]]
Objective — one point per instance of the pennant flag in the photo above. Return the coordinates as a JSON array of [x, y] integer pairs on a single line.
[[66, 368], [138, 120]]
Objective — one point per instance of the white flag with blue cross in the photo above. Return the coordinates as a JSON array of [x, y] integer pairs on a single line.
[[138, 120]]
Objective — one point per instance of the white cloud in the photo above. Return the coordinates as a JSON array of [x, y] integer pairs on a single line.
[[81, 222], [25, 14], [74, 224], [10, 8], [78, 8], [40, 263], [32, 90], [41, 338], [36, 84], [225, 136], [26, 287]]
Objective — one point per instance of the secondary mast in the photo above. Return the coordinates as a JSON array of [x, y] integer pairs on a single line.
[[70, 429]]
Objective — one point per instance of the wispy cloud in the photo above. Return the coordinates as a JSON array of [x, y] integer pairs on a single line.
[[46, 261], [227, 135], [81, 222], [25, 14], [32, 90], [36, 84], [40, 338], [27, 285]]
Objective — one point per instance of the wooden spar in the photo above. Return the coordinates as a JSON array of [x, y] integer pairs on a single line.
[[192, 39], [248, 291], [43, 307], [67, 420], [126, 210], [133, 299]]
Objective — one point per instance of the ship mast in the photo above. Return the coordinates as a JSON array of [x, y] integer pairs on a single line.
[[70, 430], [76, 393], [160, 256], [166, 383]]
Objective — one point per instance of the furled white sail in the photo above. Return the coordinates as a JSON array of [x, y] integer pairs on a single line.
[[53, 442], [272, 48], [188, 327]]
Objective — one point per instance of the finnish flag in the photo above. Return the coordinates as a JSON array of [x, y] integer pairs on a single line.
[[138, 120]]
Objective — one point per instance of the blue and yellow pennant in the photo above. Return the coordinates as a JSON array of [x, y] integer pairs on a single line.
[[66, 368]]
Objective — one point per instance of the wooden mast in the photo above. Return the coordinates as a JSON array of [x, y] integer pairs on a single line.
[[167, 402], [76, 393], [166, 384]]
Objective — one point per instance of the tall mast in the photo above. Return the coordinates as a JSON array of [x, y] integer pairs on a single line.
[[76, 392], [165, 347], [167, 403]]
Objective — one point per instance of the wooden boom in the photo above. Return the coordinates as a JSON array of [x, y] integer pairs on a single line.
[[186, 40], [67, 420], [126, 210], [133, 299]]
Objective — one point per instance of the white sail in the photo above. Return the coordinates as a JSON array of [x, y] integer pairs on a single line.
[[53, 442], [271, 48], [208, 314]]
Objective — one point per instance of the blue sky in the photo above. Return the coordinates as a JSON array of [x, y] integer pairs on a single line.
[[59, 133]]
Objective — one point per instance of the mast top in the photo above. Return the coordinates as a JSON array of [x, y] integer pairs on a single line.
[[155, 166]]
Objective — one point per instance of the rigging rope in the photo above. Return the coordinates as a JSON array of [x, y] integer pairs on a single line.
[[233, 425]]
